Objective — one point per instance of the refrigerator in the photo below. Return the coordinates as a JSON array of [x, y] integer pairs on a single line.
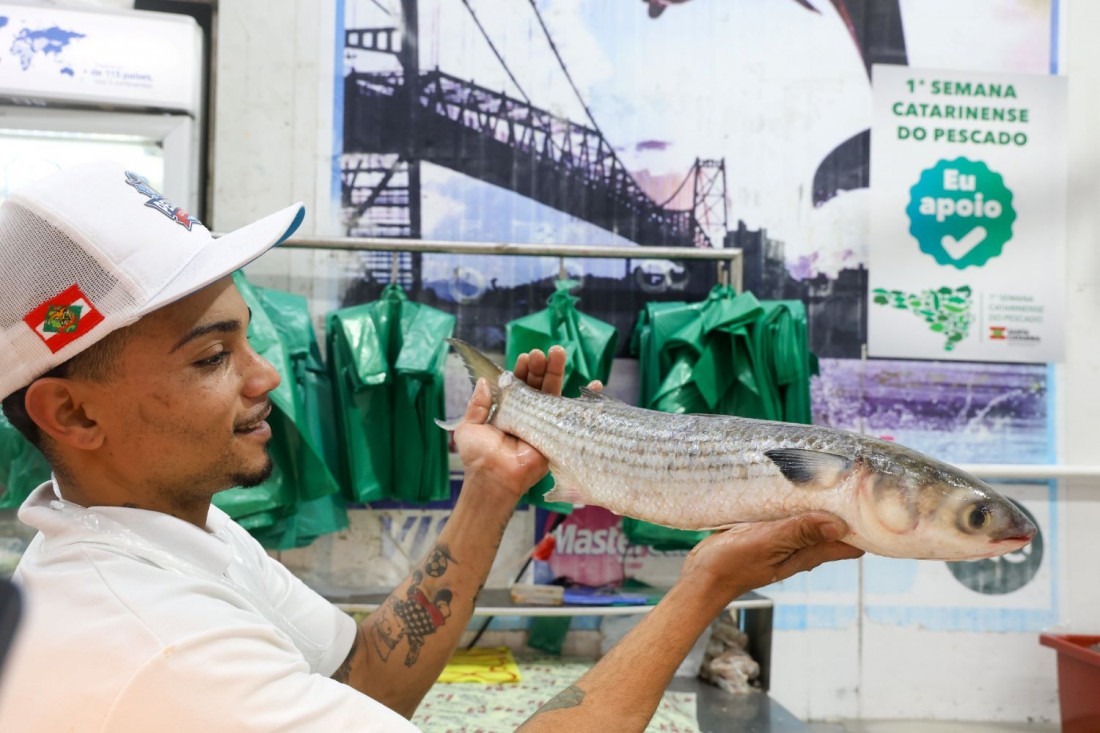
[[78, 85]]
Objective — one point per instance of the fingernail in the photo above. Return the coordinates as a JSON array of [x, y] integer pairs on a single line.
[[833, 530]]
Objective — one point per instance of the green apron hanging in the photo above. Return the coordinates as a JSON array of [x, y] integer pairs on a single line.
[[589, 345], [387, 360], [421, 458], [357, 340]]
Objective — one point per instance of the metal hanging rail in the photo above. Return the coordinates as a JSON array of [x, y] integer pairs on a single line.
[[1030, 471], [731, 257]]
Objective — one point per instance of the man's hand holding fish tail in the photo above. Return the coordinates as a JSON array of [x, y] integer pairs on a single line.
[[402, 647], [623, 690], [497, 461]]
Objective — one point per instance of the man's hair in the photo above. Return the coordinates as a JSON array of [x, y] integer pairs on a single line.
[[97, 363]]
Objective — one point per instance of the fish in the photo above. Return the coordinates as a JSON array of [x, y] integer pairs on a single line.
[[711, 472]]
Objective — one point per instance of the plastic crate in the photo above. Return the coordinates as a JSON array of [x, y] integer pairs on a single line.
[[1078, 680]]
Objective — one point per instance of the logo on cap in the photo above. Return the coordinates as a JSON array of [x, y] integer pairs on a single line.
[[158, 202], [63, 318]]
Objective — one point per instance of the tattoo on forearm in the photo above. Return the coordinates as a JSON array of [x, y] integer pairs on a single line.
[[417, 616], [570, 697], [437, 561]]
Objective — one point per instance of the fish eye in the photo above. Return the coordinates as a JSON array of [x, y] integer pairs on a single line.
[[977, 516]]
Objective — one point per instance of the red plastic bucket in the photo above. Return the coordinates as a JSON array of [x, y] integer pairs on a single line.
[[1078, 680]]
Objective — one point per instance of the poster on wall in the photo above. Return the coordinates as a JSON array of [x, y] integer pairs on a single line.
[[968, 188]]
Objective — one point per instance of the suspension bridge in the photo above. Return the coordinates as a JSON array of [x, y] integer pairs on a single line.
[[395, 120]]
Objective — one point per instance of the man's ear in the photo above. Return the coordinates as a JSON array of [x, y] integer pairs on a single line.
[[57, 407]]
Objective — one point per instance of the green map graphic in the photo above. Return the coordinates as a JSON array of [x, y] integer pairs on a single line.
[[946, 311]]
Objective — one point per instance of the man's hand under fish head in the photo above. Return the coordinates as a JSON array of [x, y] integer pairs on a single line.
[[504, 461], [754, 554]]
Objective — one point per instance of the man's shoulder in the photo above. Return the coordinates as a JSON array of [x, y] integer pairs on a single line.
[[127, 593]]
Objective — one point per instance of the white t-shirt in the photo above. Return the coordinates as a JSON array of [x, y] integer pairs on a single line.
[[137, 621]]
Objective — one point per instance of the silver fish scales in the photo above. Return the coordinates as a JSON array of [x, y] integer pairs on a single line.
[[692, 471]]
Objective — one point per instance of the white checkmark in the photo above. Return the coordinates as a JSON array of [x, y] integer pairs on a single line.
[[959, 248]]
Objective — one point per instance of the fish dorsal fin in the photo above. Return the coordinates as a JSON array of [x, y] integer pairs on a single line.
[[810, 468], [591, 394]]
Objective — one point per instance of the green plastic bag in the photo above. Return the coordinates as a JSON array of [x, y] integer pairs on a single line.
[[589, 345], [547, 633], [781, 340], [728, 355], [22, 466], [357, 340], [387, 362]]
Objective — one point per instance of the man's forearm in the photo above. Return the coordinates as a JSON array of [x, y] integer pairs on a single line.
[[623, 690], [409, 639]]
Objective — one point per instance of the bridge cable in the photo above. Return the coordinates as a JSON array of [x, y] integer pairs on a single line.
[[569, 78], [382, 7], [691, 172], [493, 47]]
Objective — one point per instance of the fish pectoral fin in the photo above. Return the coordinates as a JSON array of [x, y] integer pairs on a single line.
[[591, 394], [565, 492], [810, 468]]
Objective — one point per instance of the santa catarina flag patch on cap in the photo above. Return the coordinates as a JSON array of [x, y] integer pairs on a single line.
[[63, 318]]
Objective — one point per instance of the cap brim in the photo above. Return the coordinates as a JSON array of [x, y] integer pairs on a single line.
[[228, 253]]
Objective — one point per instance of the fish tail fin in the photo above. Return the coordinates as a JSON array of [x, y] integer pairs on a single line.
[[449, 425], [479, 366]]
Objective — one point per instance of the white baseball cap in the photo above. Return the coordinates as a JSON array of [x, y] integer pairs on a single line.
[[93, 248]]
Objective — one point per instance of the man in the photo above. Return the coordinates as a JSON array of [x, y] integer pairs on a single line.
[[123, 356]]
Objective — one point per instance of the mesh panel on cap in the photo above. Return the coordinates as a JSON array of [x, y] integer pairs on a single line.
[[38, 261]]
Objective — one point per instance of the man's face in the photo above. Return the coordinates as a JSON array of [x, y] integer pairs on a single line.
[[183, 414]]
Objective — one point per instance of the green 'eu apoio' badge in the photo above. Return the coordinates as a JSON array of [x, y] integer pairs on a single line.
[[961, 213]]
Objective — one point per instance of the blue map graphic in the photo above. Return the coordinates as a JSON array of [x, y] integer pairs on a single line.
[[30, 42]]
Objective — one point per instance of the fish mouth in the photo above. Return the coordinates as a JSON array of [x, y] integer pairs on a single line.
[[1015, 541], [1010, 544], [1019, 532], [1002, 545]]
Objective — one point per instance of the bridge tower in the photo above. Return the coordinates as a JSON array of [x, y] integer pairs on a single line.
[[381, 190], [709, 199]]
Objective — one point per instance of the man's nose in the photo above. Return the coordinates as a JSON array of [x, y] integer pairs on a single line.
[[262, 377]]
